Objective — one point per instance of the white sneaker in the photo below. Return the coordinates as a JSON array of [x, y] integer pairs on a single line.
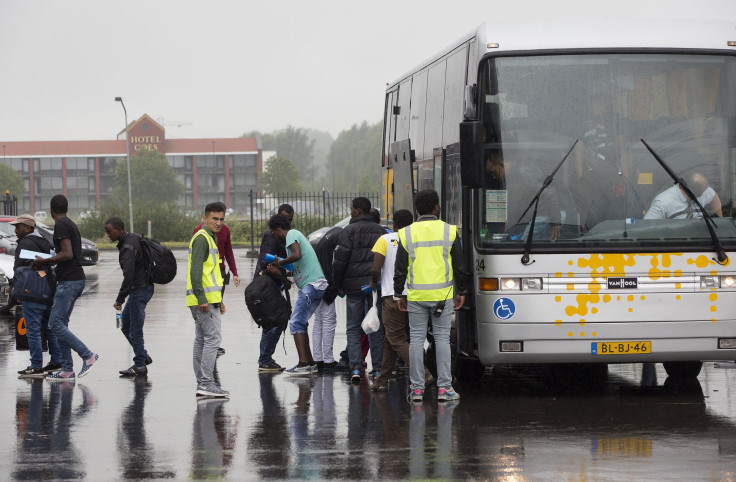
[[212, 391], [303, 370]]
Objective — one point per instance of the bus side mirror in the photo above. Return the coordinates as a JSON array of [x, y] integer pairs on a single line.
[[471, 154]]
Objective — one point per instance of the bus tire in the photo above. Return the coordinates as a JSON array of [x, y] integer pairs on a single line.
[[468, 369], [683, 369]]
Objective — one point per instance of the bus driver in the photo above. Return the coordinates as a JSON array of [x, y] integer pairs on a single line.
[[674, 203]]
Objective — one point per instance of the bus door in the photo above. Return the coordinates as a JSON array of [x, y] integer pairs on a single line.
[[402, 161]]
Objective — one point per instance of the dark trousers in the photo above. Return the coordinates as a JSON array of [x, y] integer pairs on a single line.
[[134, 315]]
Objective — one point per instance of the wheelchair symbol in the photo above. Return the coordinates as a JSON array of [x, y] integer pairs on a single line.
[[504, 308]]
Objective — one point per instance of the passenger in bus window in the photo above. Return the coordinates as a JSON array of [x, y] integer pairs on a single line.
[[674, 203]]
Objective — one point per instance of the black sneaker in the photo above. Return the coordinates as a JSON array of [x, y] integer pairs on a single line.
[[220, 351], [32, 373], [134, 371], [149, 360], [52, 367], [270, 367]]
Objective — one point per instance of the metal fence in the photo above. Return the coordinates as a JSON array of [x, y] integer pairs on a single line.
[[312, 210], [10, 205]]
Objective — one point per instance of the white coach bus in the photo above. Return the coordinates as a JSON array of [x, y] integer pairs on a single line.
[[569, 155]]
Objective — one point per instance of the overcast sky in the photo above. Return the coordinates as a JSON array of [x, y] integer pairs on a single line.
[[231, 66]]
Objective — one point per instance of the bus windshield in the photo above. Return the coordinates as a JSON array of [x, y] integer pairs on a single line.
[[610, 193]]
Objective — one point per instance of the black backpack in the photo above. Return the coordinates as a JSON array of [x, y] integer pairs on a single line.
[[267, 306], [161, 261], [33, 285]]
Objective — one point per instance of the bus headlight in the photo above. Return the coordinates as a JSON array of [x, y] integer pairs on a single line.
[[728, 281], [531, 284], [510, 284], [709, 282]]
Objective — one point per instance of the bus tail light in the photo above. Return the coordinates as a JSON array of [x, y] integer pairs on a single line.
[[709, 282], [488, 284], [727, 343], [531, 284], [510, 284], [512, 346], [728, 281]]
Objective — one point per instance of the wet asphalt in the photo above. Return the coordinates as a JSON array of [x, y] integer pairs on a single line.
[[530, 423]]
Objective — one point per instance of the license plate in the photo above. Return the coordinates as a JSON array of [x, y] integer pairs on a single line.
[[621, 348]]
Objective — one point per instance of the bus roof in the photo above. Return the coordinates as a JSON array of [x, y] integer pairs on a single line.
[[538, 35]]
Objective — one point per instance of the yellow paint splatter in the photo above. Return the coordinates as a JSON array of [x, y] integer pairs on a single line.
[[594, 310], [678, 297], [713, 296], [570, 262], [569, 333], [678, 286], [643, 297], [594, 334], [630, 298], [570, 286], [582, 333], [558, 322], [558, 298], [712, 320], [582, 322], [570, 274], [701, 261], [713, 309], [631, 310], [606, 298], [558, 275]]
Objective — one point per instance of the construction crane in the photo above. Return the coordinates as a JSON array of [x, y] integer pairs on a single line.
[[166, 122]]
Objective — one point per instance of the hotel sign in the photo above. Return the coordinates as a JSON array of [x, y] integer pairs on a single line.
[[145, 143], [147, 135]]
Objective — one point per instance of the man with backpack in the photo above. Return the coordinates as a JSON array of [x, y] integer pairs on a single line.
[[35, 313], [309, 279], [272, 332], [137, 287]]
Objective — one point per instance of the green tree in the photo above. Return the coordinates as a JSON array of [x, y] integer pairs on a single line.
[[354, 161], [11, 180], [280, 176], [294, 144], [153, 179]]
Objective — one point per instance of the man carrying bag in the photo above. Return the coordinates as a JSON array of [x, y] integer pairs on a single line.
[[35, 290]]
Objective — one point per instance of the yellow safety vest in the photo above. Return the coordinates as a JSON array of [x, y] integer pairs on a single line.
[[211, 275], [429, 277]]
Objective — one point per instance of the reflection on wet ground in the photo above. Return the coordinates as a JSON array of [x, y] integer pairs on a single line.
[[518, 423]]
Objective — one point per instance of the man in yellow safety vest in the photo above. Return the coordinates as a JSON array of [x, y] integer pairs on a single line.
[[429, 259], [204, 299]]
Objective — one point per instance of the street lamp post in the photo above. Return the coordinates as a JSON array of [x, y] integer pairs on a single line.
[[127, 153]]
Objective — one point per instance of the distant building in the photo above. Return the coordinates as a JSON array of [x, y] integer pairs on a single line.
[[219, 169]]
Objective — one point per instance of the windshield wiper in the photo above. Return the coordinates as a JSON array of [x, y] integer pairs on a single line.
[[721, 256], [535, 202]]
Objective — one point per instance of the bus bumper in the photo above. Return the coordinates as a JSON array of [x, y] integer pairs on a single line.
[[575, 343]]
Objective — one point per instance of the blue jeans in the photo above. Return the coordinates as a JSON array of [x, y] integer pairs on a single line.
[[134, 314], [306, 304], [269, 341], [66, 295], [37, 316], [419, 314], [358, 305]]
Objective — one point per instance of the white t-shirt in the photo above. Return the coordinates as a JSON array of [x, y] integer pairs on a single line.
[[673, 201], [387, 246]]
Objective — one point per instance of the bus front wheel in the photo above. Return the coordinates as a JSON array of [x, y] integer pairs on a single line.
[[683, 369]]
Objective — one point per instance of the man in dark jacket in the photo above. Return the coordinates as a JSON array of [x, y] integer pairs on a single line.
[[270, 338], [137, 287], [35, 314], [351, 271]]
